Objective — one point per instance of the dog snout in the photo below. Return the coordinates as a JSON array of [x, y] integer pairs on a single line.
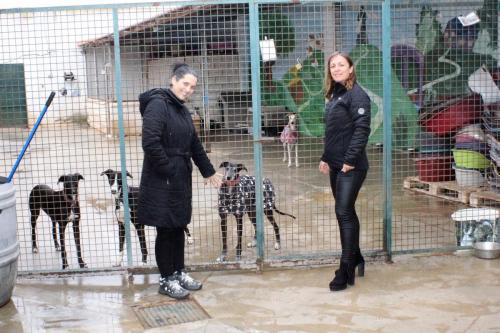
[[113, 192]]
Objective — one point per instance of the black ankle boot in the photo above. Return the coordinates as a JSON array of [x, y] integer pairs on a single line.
[[360, 264], [343, 276]]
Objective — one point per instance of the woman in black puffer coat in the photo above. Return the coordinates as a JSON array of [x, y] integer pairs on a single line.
[[169, 141], [347, 128]]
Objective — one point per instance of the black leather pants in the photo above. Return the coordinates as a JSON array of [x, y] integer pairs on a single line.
[[345, 188]]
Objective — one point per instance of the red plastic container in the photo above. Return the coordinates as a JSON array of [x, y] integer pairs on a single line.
[[446, 117], [436, 168]]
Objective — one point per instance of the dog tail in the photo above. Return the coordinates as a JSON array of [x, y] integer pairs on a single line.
[[282, 213]]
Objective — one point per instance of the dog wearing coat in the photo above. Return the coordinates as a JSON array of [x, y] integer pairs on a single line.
[[62, 207], [289, 138], [237, 197]]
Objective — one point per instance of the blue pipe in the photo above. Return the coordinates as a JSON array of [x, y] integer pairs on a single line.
[[32, 133]]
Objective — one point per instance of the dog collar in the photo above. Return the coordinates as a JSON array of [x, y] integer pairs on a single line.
[[232, 182]]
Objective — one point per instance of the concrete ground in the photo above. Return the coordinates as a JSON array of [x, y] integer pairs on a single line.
[[421, 293]]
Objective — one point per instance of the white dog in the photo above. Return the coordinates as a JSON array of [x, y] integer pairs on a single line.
[[289, 137]]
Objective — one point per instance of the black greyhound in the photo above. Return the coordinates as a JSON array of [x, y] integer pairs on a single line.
[[116, 184], [237, 197], [62, 207]]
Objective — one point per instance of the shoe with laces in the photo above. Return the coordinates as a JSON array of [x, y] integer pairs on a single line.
[[170, 286], [187, 282]]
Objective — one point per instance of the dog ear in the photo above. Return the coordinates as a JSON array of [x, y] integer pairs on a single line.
[[61, 179], [224, 164], [79, 177], [107, 172], [240, 167], [129, 175]]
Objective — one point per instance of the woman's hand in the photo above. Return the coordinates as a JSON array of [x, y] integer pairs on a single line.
[[346, 168], [324, 168], [214, 180]]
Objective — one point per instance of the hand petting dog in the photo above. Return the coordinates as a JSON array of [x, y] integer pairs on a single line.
[[215, 180]]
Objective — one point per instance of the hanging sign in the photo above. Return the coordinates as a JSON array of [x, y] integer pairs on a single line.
[[268, 50]]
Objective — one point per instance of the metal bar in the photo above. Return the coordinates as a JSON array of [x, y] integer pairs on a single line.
[[397, 4], [30, 136], [256, 126], [121, 131], [387, 105], [187, 3]]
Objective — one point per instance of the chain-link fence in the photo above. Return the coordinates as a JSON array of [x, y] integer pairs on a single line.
[[257, 64]]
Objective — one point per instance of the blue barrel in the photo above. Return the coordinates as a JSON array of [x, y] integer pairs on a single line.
[[9, 247]]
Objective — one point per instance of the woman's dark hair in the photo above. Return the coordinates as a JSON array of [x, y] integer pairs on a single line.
[[181, 69], [329, 83]]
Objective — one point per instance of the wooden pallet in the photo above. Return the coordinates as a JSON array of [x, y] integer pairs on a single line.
[[445, 190], [484, 198]]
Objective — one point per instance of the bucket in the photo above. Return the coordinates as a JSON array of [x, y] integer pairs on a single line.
[[9, 247]]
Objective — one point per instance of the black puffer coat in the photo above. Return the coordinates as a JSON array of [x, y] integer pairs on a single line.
[[169, 141], [347, 128]]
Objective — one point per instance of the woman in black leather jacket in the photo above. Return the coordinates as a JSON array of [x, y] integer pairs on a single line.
[[347, 128], [169, 141]]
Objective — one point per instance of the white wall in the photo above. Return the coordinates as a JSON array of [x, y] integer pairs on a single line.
[[47, 44]]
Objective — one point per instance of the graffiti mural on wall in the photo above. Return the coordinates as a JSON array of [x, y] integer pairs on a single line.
[[431, 61]]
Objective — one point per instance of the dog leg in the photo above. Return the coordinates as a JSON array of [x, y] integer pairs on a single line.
[[222, 257], [34, 247], [121, 242], [270, 217], [284, 151], [223, 229], [189, 239], [54, 235], [141, 234], [296, 155], [253, 219], [76, 234], [239, 231], [62, 229], [253, 243], [289, 150]]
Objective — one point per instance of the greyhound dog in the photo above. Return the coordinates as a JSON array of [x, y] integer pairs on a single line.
[[289, 137], [62, 207], [116, 184], [237, 197]]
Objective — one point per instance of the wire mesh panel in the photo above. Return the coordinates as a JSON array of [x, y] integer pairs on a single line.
[[64, 210], [304, 35], [443, 131], [213, 40], [445, 58]]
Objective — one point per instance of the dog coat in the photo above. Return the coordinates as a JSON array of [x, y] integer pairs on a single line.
[[289, 136], [240, 199]]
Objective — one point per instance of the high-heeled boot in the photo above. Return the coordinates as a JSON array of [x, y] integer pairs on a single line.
[[360, 263], [343, 276]]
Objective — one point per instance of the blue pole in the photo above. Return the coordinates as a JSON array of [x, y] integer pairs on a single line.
[[256, 120], [30, 137], [119, 102], [387, 107]]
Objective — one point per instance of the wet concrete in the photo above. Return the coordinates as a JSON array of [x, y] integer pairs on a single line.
[[439, 293], [419, 221]]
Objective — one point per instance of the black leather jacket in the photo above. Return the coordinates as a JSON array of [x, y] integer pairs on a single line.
[[347, 128]]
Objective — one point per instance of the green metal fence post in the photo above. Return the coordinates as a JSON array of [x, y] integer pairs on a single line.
[[121, 131], [387, 109], [256, 120]]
